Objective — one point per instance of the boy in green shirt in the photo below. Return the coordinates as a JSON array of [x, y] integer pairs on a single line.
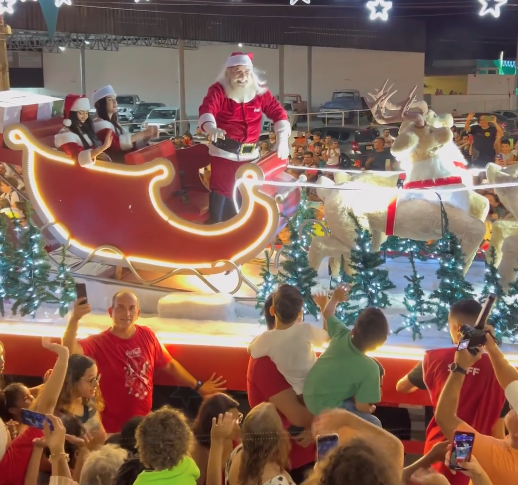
[[343, 376]]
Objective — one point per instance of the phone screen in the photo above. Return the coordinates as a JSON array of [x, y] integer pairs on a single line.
[[461, 449], [463, 344], [325, 444], [81, 291], [34, 419]]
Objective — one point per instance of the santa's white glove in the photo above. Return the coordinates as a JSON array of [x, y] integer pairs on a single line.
[[283, 148], [214, 132]]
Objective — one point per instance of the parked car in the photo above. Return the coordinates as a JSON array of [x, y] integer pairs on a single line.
[[140, 114], [510, 114], [355, 143], [126, 104], [343, 100], [167, 120], [292, 116]]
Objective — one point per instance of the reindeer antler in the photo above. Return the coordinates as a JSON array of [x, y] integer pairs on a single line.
[[381, 100]]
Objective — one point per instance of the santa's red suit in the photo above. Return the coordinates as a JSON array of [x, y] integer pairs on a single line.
[[68, 141], [121, 140], [234, 126]]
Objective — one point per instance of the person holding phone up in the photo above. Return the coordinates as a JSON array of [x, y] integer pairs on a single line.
[[485, 135], [498, 457]]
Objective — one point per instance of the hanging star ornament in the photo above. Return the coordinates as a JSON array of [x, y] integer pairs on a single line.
[[6, 6], [293, 2], [379, 9], [491, 6], [58, 3]]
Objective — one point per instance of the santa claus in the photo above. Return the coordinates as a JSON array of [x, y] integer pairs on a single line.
[[231, 114]]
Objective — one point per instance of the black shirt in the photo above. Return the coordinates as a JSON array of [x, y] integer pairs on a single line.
[[483, 143], [416, 378], [380, 159]]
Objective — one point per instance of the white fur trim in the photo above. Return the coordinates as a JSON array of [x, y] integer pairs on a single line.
[[206, 118], [102, 93], [125, 142], [100, 125], [239, 60], [511, 393], [81, 104], [247, 157], [282, 128], [64, 137], [85, 158], [67, 122]]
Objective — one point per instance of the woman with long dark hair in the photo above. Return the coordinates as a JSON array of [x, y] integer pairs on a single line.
[[107, 123], [77, 139]]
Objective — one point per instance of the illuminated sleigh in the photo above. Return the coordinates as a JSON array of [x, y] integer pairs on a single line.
[[149, 212]]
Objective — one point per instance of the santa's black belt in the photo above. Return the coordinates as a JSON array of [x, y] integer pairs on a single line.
[[235, 147]]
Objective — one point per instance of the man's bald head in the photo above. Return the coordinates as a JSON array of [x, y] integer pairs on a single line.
[[123, 293], [124, 311]]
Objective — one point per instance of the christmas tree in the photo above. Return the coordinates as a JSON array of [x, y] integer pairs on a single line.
[[34, 286], [368, 283], [65, 284], [295, 269], [344, 309], [268, 286], [414, 295], [7, 268], [509, 328], [453, 285]]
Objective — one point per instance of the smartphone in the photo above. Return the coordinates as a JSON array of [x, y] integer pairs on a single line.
[[81, 291], [326, 443], [463, 345], [461, 449], [35, 420], [486, 310]]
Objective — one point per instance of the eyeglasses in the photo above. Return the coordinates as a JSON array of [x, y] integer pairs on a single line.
[[95, 381]]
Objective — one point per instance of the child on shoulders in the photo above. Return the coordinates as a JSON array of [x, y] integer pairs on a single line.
[[343, 376], [289, 344]]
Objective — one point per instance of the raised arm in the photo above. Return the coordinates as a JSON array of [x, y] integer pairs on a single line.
[[69, 339], [467, 125]]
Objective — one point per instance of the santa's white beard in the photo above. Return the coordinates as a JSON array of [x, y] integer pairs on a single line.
[[242, 93]]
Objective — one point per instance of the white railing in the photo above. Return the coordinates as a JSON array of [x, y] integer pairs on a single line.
[[302, 121]]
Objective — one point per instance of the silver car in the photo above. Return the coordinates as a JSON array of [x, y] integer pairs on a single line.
[[167, 121]]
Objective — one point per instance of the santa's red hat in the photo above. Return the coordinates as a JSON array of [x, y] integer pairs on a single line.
[[74, 102], [240, 59]]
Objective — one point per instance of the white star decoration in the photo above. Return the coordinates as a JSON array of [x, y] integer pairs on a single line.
[[492, 7], [379, 9], [58, 3], [293, 2], [6, 6]]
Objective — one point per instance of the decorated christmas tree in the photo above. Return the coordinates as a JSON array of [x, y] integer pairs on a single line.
[[509, 327], [65, 284], [7, 267], [368, 283], [414, 300], [344, 309], [34, 286], [295, 269], [268, 285], [453, 285]]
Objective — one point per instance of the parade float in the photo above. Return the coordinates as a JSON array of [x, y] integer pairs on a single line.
[[140, 225]]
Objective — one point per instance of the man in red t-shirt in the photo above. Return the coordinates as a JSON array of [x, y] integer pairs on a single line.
[[482, 403], [266, 384], [127, 356]]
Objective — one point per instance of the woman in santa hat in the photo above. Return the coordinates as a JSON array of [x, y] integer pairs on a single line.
[[77, 139], [105, 101]]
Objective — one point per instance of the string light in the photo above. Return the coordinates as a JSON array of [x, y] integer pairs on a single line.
[[491, 7], [379, 9], [268, 286]]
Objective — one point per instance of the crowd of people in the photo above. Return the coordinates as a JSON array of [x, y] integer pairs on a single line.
[[78, 428]]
